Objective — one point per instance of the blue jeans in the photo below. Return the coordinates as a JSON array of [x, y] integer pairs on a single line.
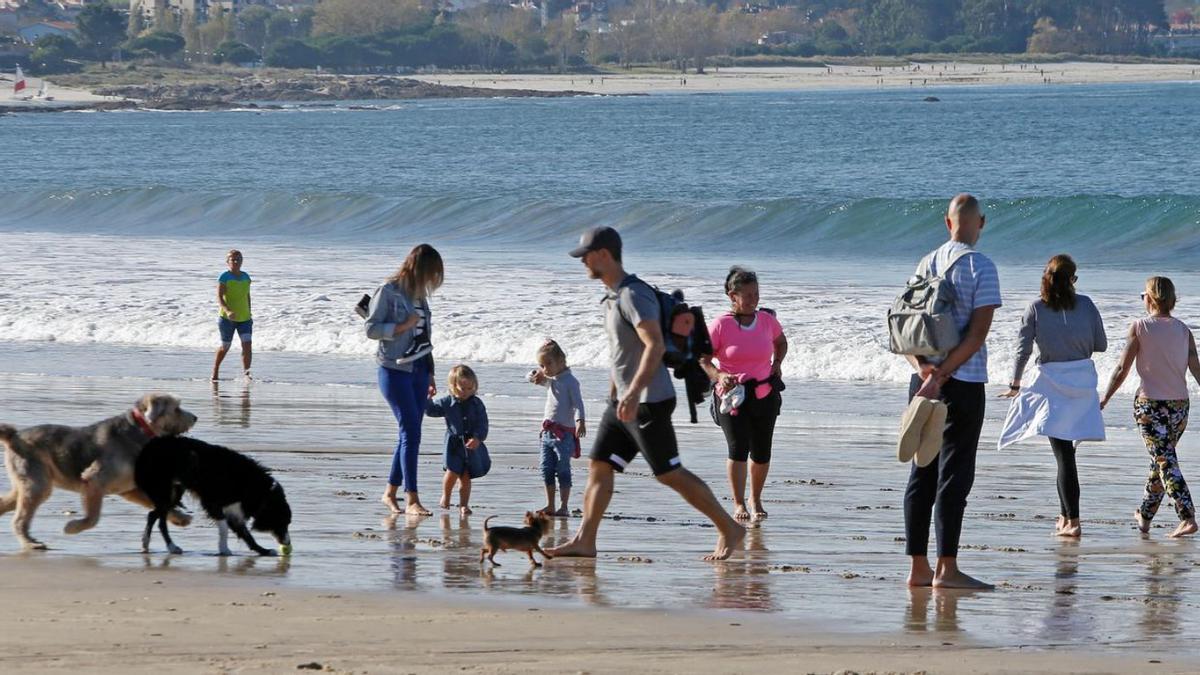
[[556, 459], [405, 394], [226, 328]]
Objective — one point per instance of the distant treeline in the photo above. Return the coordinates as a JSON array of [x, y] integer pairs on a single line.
[[357, 35]]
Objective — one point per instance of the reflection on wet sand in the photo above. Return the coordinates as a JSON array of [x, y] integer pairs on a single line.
[[945, 601], [228, 412], [744, 582], [1164, 583], [250, 565], [401, 533], [1063, 618]]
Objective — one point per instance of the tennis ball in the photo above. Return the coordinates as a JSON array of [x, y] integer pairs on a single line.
[[285, 549]]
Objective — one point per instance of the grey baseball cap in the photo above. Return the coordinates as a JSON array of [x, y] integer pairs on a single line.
[[596, 239]]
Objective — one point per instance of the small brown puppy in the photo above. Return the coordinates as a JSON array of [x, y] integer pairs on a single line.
[[527, 539]]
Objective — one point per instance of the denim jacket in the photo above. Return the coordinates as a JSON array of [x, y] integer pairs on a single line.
[[390, 306], [463, 418]]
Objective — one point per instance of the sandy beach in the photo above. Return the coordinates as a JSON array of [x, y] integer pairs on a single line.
[[64, 97], [915, 75], [80, 616], [746, 79]]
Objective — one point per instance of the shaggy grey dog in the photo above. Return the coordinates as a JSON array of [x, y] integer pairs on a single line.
[[95, 461]]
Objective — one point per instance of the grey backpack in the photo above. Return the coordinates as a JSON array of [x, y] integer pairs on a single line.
[[920, 322]]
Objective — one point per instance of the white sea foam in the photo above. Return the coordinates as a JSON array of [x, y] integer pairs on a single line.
[[88, 289]]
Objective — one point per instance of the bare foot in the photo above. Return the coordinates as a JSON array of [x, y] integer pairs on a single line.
[[740, 512], [563, 512], [573, 549], [465, 510], [921, 574], [415, 509], [1142, 523], [1058, 525], [445, 503], [1070, 528], [547, 510], [959, 579], [1186, 527], [727, 543], [391, 503], [759, 514]]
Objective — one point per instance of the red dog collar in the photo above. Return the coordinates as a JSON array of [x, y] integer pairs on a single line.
[[141, 422]]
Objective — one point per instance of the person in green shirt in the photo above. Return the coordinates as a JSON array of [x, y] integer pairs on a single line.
[[233, 296]]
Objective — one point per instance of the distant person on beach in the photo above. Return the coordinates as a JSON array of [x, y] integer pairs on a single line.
[[233, 298], [1067, 329], [563, 423], [748, 349], [464, 456], [941, 488], [638, 417], [1164, 350], [398, 318]]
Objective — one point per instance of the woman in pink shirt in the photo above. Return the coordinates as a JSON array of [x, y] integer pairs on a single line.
[[1165, 351], [748, 350]]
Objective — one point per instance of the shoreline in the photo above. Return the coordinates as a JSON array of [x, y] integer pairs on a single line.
[[915, 75], [255, 90], [159, 619]]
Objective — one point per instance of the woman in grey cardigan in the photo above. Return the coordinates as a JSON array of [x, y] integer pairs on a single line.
[[398, 318], [1065, 326]]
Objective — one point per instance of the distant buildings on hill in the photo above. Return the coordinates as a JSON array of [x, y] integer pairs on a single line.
[[202, 9], [33, 32]]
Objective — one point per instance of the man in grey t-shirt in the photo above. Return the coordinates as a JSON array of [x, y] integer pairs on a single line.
[[632, 303], [638, 418]]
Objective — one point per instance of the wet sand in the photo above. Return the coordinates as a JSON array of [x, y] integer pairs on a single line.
[[828, 564], [73, 616]]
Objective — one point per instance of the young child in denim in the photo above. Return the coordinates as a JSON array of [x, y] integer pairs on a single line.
[[465, 457], [563, 425]]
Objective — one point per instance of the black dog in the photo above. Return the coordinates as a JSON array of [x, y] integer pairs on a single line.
[[231, 487]]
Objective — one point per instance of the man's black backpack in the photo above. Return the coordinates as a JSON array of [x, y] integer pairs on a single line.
[[685, 335]]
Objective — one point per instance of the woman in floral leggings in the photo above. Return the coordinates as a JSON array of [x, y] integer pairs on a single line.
[[1164, 350]]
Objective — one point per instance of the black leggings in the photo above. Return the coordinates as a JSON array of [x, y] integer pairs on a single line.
[[1068, 477], [749, 434]]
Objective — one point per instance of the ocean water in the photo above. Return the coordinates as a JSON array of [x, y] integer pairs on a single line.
[[118, 222], [114, 229]]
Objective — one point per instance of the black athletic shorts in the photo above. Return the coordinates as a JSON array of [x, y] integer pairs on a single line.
[[651, 434]]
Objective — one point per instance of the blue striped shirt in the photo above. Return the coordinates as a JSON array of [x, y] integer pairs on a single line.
[[976, 284]]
